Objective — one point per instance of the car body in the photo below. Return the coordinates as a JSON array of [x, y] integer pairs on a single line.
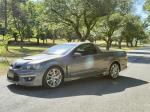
[[75, 60]]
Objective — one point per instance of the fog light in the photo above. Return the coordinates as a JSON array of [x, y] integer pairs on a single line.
[[29, 78]]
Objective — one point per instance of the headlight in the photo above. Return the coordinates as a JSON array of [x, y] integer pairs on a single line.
[[32, 67]]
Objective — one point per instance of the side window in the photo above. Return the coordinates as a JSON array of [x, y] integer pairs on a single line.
[[86, 49], [91, 49]]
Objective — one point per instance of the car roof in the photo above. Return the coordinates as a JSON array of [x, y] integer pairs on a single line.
[[78, 43]]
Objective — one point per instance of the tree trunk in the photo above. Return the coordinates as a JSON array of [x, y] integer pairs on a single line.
[[136, 42], [38, 41], [6, 47], [87, 34], [21, 43], [79, 34], [82, 39], [16, 39], [119, 43], [54, 40], [109, 42], [107, 47], [131, 43], [127, 43]]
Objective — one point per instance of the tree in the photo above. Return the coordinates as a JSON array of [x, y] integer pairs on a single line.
[[80, 15], [19, 16], [79, 19], [40, 22], [147, 9], [134, 30], [125, 9], [108, 26], [2, 11]]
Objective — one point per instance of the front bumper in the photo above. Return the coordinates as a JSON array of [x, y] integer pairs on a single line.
[[26, 78]]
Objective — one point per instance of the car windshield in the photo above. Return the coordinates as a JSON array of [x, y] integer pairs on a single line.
[[59, 49]]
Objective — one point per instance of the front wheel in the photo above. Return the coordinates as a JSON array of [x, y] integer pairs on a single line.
[[53, 77], [114, 71]]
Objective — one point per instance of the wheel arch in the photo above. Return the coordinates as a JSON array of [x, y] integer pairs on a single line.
[[116, 62], [58, 66]]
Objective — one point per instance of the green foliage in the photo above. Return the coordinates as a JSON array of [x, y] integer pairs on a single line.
[[147, 9], [80, 15], [108, 26], [134, 30], [4, 42], [4, 46], [91, 20], [147, 5]]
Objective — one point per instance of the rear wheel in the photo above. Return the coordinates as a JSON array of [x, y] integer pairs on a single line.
[[53, 77], [114, 71]]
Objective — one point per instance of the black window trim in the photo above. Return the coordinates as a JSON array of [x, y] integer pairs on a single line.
[[98, 51]]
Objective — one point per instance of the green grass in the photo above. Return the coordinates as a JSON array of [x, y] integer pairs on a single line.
[[4, 64], [3, 68], [16, 51], [126, 48]]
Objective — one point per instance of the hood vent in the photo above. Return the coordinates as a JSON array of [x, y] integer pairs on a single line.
[[17, 66], [27, 59]]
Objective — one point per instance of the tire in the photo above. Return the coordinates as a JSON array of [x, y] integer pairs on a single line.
[[53, 78], [114, 71]]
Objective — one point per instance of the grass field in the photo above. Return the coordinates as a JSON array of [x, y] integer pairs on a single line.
[[16, 52], [3, 68]]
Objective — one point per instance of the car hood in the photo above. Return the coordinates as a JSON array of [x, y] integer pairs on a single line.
[[35, 59]]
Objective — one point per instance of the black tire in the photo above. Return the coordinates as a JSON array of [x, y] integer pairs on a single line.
[[46, 76], [114, 71]]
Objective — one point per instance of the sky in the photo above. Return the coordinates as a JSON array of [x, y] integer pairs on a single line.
[[138, 9]]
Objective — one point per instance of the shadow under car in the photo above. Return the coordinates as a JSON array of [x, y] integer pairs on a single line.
[[89, 86]]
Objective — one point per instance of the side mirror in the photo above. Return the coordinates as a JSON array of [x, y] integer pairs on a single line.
[[76, 54]]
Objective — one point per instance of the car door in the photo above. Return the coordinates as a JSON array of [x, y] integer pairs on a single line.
[[96, 59], [101, 62], [83, 64]]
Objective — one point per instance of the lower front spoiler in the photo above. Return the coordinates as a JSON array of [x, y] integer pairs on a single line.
[[24, 82]]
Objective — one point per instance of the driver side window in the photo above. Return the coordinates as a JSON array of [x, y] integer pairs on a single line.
[[86, 49]]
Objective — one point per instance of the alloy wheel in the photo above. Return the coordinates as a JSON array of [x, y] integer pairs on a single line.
[[114, 71], [54, 77]]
